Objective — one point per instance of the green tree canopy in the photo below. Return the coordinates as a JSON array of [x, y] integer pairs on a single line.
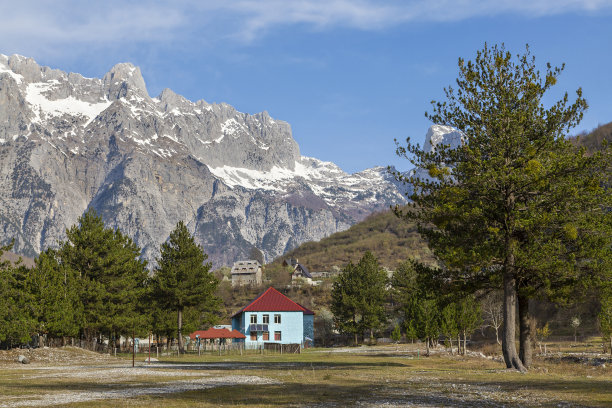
[[358, 297], [54, 287], [110, 274], [17, 320], [182, 279], [516, 206]]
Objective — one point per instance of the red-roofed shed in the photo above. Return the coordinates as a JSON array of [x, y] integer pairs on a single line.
[[214, 333]]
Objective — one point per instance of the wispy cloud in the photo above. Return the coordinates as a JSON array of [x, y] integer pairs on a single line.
[[30, 23]]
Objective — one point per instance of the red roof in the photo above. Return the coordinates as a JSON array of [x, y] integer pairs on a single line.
[[273, 301], [213, 333]]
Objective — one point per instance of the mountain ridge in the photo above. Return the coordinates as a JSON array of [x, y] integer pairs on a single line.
[[68, 143]]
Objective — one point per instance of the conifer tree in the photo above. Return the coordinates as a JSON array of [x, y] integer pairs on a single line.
[[448, 325], [16, 315], [110, 274], [346, 299], [469, 317], [182, 280], [374, 293], [55, 296], [605, 318], [358, 297], [516, 206], [420, 302]]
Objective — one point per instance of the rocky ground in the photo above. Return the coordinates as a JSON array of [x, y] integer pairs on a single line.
[[48, 355], [386, 376]]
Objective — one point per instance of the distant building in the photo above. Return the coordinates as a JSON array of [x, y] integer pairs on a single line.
[[246, 273], [274, 318], [300, 273]]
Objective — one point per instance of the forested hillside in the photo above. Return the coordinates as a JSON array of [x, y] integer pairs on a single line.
[[593, 141], [390, 239]]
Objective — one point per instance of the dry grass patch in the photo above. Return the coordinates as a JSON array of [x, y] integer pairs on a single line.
[[388, 376]]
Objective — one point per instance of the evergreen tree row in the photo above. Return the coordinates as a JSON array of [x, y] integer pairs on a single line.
[[363, 296], [95, 289]]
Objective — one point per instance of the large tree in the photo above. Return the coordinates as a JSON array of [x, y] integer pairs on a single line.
[[54, 288], [183, 281], [110, 274], [358, 297], [17, 320], [513, 189]]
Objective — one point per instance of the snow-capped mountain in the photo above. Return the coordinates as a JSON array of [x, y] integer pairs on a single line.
[[68, 143], [438, 135]]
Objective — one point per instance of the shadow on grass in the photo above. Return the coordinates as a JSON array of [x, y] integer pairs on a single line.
[[272, 365], [299, 394], [578, 386]]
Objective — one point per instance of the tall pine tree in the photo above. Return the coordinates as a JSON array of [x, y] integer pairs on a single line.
[[358, 297], [110, 274], [17, 321], [55, 296], [182, 280], [516, 207]]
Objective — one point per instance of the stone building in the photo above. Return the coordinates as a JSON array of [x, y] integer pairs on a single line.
[[246, 273]]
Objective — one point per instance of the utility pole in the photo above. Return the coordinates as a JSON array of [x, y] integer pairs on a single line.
[[149, 347], [133, 348]]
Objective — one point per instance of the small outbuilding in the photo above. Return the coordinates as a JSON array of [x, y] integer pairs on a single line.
[[217, 336]]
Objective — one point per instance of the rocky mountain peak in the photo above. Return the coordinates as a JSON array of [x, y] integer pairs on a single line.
[[238, 180], [442, 135], [20, 67], [168, 100], [122, 79]]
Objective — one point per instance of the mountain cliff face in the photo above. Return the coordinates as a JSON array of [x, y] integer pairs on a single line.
[[68, 143]]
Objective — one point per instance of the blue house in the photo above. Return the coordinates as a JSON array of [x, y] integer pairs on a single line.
[[274, 318]]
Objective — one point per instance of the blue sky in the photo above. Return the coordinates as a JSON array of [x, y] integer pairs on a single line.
[[349, 76]]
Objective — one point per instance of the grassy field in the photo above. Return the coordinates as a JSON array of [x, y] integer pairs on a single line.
[[366, 376]]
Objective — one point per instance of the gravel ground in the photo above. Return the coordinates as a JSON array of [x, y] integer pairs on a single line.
[[112, 379], [134, 390], [47, 355]]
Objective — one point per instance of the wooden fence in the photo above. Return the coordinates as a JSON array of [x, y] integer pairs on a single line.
[[283, 348]]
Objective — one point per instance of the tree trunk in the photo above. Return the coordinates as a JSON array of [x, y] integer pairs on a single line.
[[497, 335], [427, 346], [356, 339], [450, 339], [511, 357], [180, 334], [526, 348], [458, 343], [464, 343]]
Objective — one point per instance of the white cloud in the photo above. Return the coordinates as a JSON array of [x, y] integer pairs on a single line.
[[59, 23]]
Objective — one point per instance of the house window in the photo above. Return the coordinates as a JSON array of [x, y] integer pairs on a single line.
[[266, 336], [277, 318], [253, 319], [277, 336], [266, 319], [253, 336]]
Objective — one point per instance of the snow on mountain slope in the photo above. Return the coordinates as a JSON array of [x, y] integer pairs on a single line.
[[68, 143]]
